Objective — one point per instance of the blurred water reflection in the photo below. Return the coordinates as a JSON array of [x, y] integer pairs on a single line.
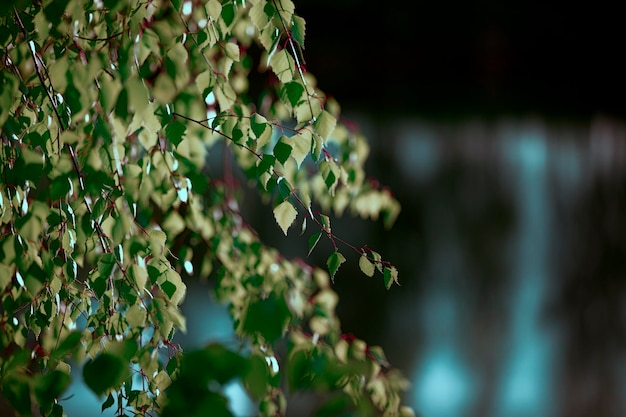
[[515, 290]]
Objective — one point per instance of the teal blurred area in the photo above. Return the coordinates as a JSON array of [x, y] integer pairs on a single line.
[[511, 247], [501, 128]]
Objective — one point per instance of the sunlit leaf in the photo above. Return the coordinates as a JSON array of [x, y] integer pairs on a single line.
[[301, 145], [285, 214], [367, 267], [325, 124]]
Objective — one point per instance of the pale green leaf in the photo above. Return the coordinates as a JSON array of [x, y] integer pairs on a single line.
[[285, 214], [136, 315], [366, 265], [213, 9], [157, 242], [232, 51], [301, 144], [205, 80], [282, 65], [258, 15], [139, 276], [325, 124]]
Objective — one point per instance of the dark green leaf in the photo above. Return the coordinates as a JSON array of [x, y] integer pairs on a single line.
[[330, 179], [106, 264], [292, 92], [105, 372], [313, 241], [267, 317], [284, 188], [237, 135], [168, 288], [213, 363], [258, 128], [72, 98], [333, 262], [59, 188], [266, 164], [108, 403], [16, 392], [50, 387], [257, 379], [54, 10], [282, 151], [67, 345], [228, 13], [121, 106], [174, 132]]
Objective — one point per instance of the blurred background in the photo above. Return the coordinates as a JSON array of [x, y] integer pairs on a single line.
[[501, 129]]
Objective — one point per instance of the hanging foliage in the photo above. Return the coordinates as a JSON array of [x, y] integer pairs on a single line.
[[109, 110]]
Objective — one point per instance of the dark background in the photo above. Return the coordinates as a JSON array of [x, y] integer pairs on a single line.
[[477, 77], [562, 59]]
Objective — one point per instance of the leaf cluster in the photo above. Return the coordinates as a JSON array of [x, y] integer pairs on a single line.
[[109, 114]]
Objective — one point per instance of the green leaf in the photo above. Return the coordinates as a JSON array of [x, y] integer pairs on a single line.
[[174, 132], [256, 380], [157, 242], [325, 124], [298, 26], [313, 241], [301, 145], [106, 264], [49, 387], [281, 64], [108, 403], [330, 180], [139, 276], [168, 288], [67, 345], [366, 266], [228, 13], [16, 392], [268, 317], [231, 50], [390, 276], [136, 315], [325, 220], [54, 11], [282, 151], [284, 188], [285, 214], [292, 92], [333, 262], [105, 372]]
